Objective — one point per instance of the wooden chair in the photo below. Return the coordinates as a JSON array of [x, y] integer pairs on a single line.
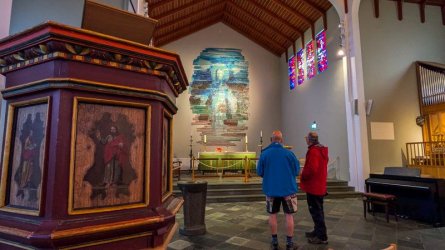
[[177, 169], [386, 200]]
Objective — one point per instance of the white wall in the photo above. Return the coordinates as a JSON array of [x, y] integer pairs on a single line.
[[390, 48], [264, 84], [320, 99]]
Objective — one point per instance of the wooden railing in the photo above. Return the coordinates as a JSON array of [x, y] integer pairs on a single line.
[[428, 156], [223, 167]]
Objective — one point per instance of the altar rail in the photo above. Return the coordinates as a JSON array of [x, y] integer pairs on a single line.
[[428, 156], [224, 167]]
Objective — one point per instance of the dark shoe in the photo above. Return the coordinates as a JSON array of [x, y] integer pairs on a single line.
[[310, 234], [292, 247], [316, 240], [274, 246]]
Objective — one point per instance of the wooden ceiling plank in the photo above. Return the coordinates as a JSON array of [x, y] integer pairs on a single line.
[[159, 4], [259, 32], [376, 8], [422, 10], [208, 21], [399, 10], [320, 11], [250, 37], [190, 15], [161, 32], [179, 8], [257, 19], [313, 6], [278, 18], [186, 33], [295, 13]]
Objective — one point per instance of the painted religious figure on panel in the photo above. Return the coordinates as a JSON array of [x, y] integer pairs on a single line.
[[28, 156], [110, 155]]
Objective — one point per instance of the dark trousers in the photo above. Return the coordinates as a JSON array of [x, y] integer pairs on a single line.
[[315, 204]]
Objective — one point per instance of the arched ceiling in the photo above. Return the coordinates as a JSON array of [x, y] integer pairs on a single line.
[[273, 24]]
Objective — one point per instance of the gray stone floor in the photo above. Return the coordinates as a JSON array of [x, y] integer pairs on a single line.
[[244, 226]]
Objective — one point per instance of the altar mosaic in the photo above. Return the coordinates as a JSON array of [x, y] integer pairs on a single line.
[[220, 96]]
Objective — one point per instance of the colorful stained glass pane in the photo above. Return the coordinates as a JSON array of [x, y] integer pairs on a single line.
[[300, 66], [292, 76], [310, 60], [322, 56]]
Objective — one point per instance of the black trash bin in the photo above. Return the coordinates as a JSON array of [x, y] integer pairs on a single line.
[[194, 194]]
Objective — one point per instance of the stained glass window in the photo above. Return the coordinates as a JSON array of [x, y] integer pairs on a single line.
[[292, 72], [300, 66], [322, 56], [310, 60]]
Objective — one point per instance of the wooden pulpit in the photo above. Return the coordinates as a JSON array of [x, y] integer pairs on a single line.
[[88, 141]]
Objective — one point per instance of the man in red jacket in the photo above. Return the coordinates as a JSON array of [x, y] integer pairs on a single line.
[[313, 182]]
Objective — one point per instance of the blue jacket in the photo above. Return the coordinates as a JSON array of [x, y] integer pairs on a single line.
[[279, 168]]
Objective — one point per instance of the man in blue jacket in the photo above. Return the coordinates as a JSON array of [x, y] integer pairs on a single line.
[[279, 168]]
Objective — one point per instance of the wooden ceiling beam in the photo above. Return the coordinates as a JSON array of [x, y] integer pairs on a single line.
[[443, 14], [313, 6], [159, 4], [319, 11], [399, 10], [257, 19], [376, 8], [296, 14], [250, 37], [257, 31], [188, 29], [422, 10], [281, 20], [175, 10], [190, 15], [345, 2]]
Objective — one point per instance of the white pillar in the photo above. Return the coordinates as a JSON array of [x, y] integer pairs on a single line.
[[354, 92]]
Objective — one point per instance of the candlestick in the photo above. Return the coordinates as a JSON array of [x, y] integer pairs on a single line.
[[205, 138], [261, 133], [246, 139], [191, 153]]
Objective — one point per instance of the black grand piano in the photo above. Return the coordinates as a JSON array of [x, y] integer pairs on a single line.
[[417, 198]]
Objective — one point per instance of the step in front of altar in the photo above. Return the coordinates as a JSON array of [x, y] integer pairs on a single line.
[[243, 192]]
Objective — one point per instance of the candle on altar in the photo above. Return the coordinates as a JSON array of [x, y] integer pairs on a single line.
[[205, 138], [246, 139], [261, 133]]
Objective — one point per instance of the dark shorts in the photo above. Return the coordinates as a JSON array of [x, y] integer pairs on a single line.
[[289, 204]]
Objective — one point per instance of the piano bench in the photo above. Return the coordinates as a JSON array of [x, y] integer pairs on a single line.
[[386, 200]]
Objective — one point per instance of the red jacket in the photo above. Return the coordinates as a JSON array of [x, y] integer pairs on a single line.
[[313, 178]]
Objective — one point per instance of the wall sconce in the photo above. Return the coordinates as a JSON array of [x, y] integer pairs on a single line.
[[341, 51], [420, 120]]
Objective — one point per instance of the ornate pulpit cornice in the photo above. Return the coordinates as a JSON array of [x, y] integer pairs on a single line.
[[51, 41]]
